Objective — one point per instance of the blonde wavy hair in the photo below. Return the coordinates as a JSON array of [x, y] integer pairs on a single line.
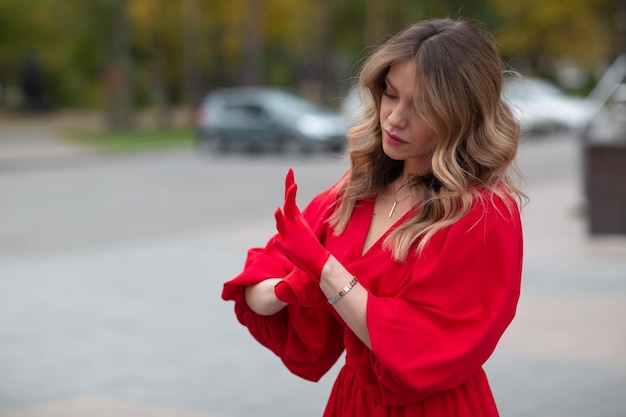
[[459, 76]]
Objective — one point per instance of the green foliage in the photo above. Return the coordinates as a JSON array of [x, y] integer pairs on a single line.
[[65, 37], [543, 32], [183, 46]]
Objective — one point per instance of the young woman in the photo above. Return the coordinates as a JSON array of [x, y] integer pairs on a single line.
[[412, 262]]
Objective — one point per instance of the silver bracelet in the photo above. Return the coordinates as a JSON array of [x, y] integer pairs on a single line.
[[343, 291]]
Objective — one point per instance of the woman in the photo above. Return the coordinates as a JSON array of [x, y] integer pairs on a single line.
[[412, 262]]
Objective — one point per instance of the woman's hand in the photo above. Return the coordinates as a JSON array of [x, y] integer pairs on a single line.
[[297, 241], [299, 288]]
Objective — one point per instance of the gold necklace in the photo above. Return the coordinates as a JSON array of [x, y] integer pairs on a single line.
[[396, 201]]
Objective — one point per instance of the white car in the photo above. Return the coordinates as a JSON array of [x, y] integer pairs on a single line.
[[352, 106], [541, 106]]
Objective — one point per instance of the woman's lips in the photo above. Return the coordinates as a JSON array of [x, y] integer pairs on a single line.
[[393, 139]]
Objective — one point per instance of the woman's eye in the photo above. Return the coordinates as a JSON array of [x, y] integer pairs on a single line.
[[389, 94]]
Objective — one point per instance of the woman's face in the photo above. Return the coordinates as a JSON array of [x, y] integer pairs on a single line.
[[406, 135]]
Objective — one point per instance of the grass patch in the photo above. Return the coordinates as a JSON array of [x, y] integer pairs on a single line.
[[133, 140]]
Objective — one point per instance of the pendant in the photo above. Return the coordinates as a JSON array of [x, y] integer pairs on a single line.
[[395, 203]]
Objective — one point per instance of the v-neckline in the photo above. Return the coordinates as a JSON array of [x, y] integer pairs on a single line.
[[368, 214]]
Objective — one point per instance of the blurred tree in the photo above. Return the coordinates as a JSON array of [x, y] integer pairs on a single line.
[[375, 28], [191, 13], [172, 52], [32, 84], [157, 54], [316, 63], [253, 42], [327, 75], [66, 36], [538, 35], [158, 89], [118, 82], [13, 43], [620, 23]]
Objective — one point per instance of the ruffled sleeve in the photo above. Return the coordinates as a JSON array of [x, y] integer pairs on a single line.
[[445, 322], [308, 339]]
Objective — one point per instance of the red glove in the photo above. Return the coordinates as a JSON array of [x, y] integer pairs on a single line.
[[297, 241], [299, 288]]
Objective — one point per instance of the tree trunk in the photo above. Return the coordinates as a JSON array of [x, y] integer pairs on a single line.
[[158, 84], [328, 76], [191, 48], [118, 75], [253, 42]]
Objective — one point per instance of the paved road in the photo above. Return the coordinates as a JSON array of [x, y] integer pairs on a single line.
[[111, 269]]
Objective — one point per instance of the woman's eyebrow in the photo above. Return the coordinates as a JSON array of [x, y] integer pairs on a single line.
[[389, 83]]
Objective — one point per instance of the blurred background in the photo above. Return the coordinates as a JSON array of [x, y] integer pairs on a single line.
[[122, 56], [143, 147]]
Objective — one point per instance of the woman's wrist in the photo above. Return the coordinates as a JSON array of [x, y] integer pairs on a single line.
[[334, 277], [347, 297], [261, 297]]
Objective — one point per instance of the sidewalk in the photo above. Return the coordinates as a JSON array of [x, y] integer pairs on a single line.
[[28, 139], [567, 338], [32, 139]]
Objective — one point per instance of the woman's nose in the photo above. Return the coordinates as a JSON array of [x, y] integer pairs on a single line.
[[397, 117]]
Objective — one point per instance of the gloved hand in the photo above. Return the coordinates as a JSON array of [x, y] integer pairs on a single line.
[[299, 288], [297, 241]]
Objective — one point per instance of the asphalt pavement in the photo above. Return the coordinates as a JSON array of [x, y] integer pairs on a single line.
[[130, 323]]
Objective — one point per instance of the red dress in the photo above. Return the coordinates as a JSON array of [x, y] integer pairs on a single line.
[[433, 320]]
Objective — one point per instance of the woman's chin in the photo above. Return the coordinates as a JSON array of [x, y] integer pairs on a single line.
[[392, 153]]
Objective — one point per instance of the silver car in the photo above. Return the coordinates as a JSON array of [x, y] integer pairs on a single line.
[[267, 118], [541, 106]]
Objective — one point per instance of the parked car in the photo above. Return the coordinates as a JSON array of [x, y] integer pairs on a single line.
[[267, 118], [541, 106]]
